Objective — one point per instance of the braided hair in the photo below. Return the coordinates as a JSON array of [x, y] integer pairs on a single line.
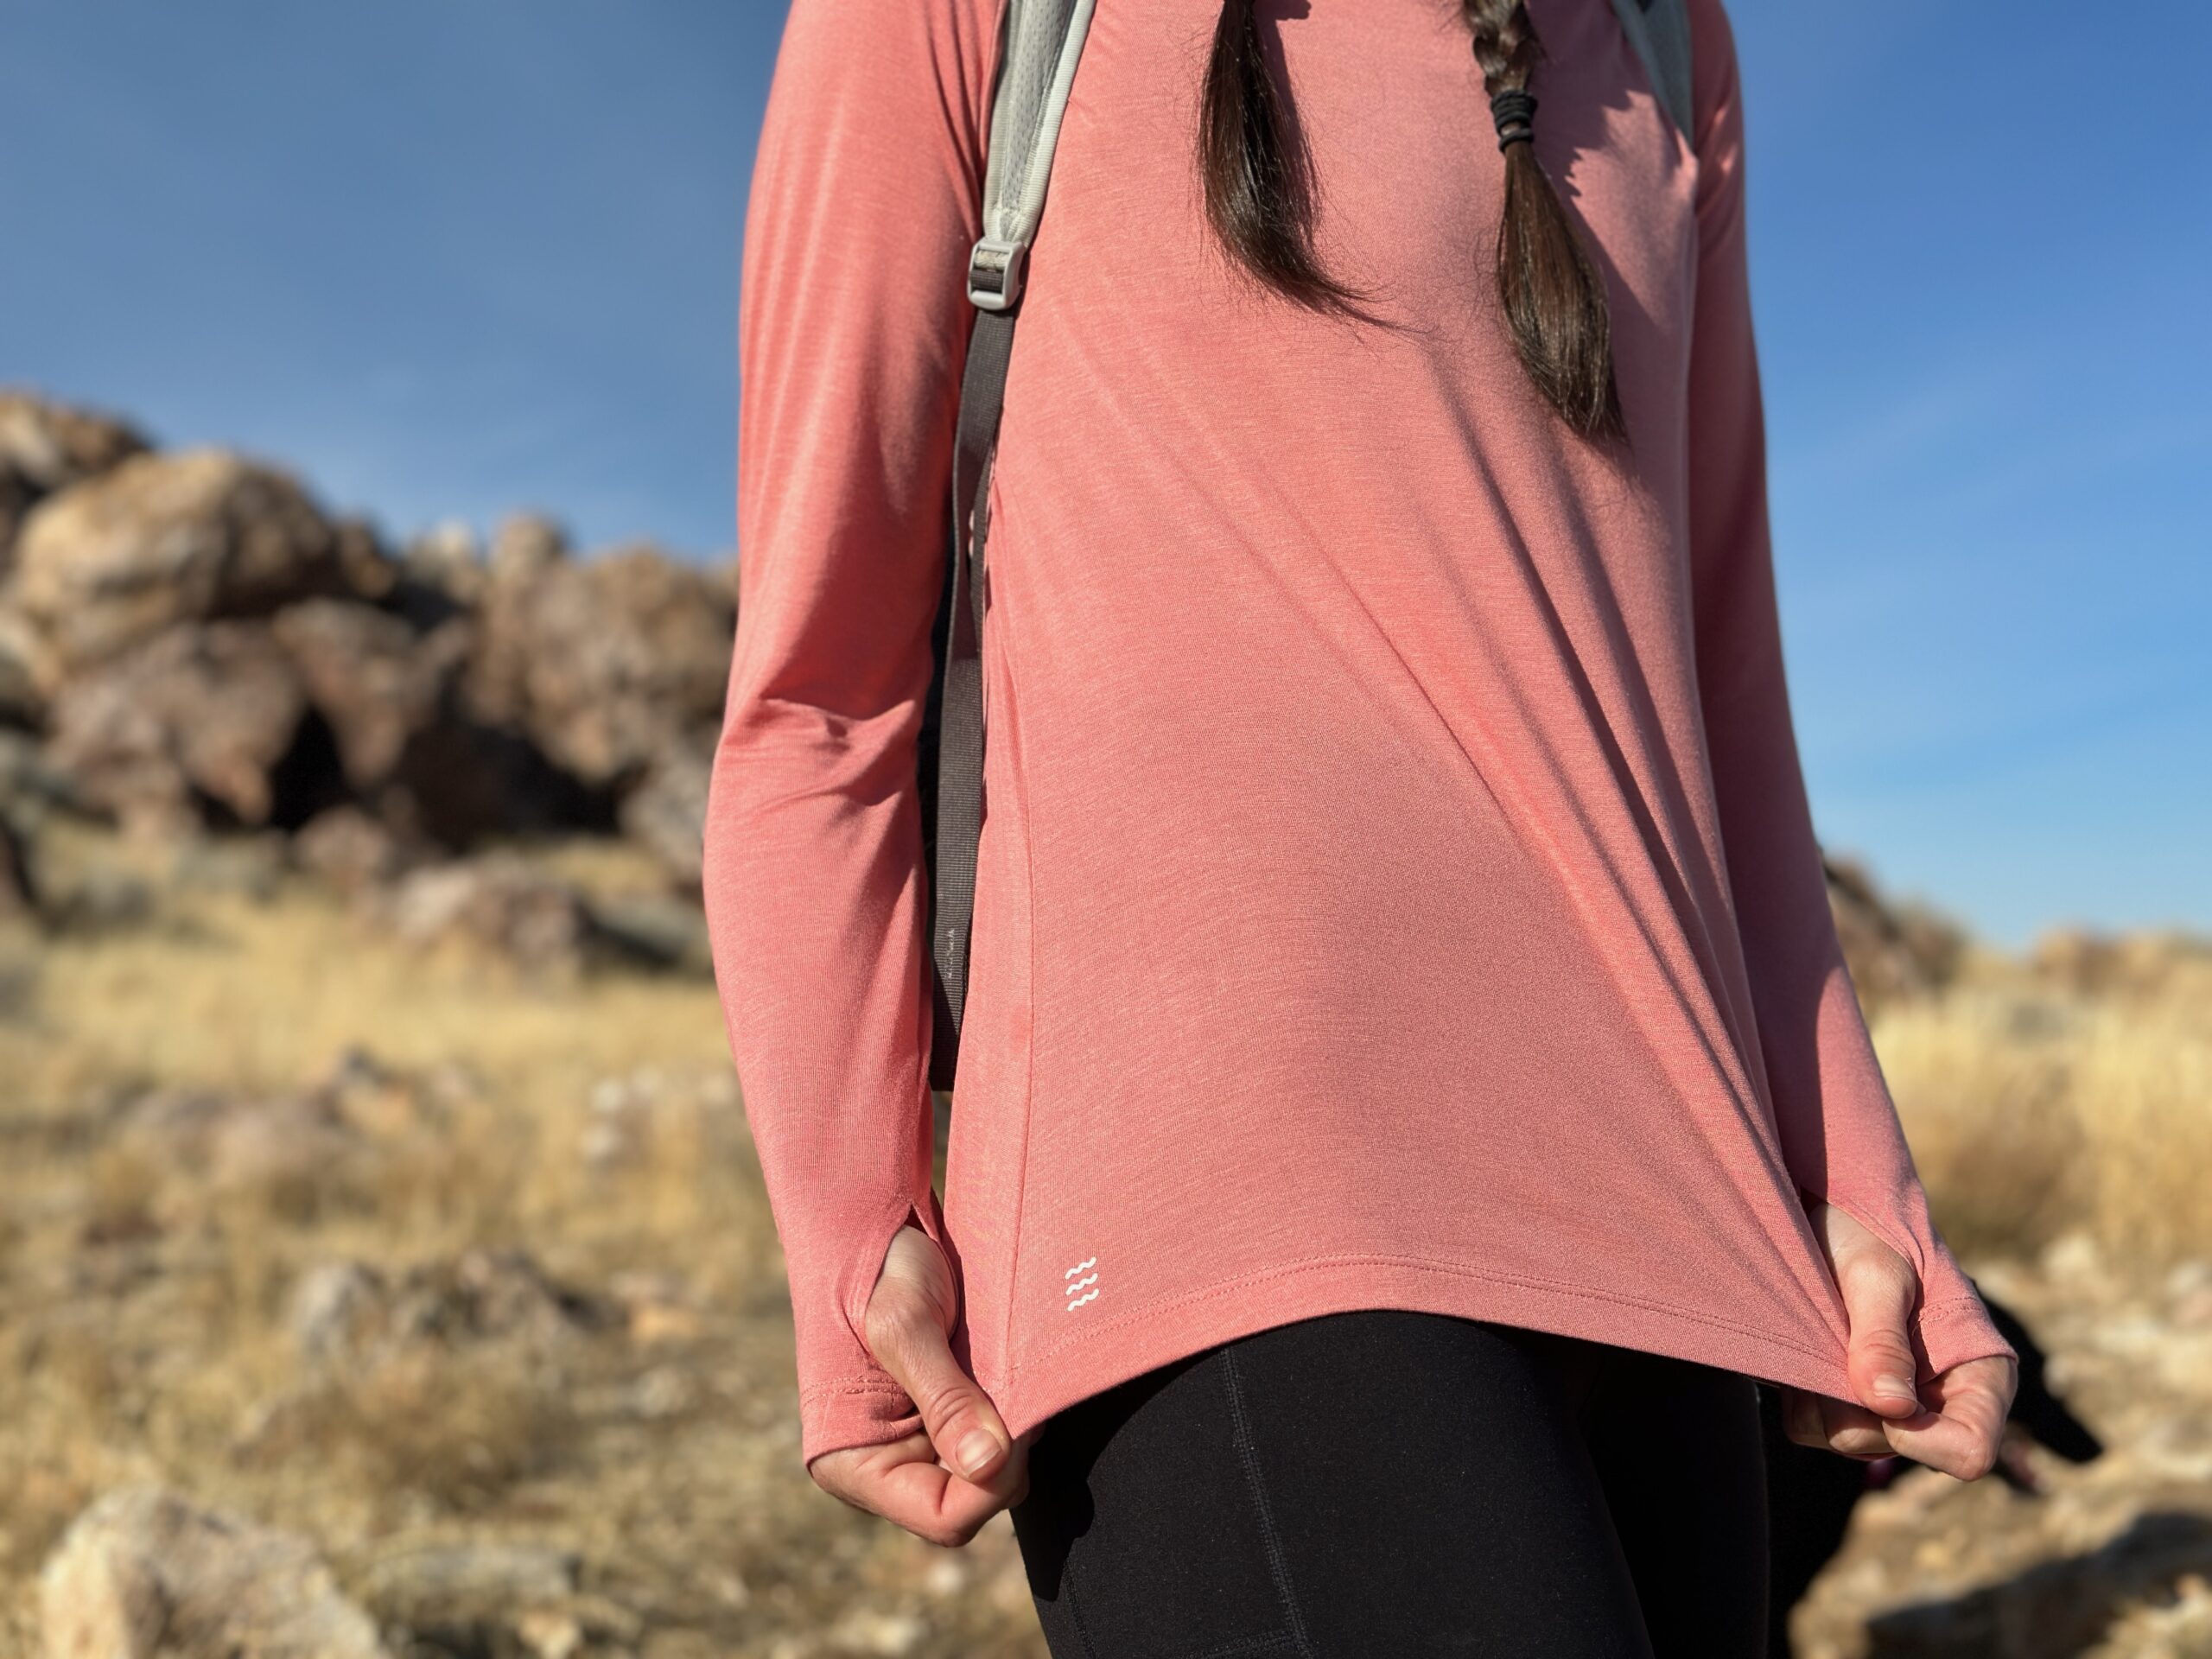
[[1259, 199]]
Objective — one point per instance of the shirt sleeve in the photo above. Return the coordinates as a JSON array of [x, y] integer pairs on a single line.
[[1838, 1123], [853, 324]]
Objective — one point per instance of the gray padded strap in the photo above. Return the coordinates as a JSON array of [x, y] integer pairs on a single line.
[[1041, 43], [1660, 32]]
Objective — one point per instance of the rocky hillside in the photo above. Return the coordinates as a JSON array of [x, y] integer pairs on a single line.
[[188, 641]]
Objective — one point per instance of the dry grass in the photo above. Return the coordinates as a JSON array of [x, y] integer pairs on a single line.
[[2035, 1110], [459, 1429], [591, 1124]]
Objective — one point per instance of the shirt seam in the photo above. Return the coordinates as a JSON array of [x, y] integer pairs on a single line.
[[1278, 1567], [857, 1383], [1303, 1264], [1036, 1017], [1951, 1306]]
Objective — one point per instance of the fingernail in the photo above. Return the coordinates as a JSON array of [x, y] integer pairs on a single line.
[[1897, 1388], [976, 1452]]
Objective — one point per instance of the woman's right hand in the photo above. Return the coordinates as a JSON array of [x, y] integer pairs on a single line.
[[943, 1482], [1958, 1427]]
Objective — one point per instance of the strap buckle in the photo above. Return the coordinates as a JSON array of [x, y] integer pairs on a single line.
[[995, 268]]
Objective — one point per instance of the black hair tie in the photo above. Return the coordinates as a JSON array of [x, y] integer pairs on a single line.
[[1514, 111]]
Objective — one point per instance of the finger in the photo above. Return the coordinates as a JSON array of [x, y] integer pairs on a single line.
[[1853, 1430], [1801, 1419], [1879, 1289], [2015, 1467], [902, 1481], [906, 1334], [1962, 1436]]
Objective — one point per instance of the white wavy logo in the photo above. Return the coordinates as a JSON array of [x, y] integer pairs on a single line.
[[1076, 1284]]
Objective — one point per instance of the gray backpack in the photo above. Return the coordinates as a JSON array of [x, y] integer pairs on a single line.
[[1040, 43]]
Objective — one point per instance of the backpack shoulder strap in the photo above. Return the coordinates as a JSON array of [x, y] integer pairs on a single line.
[[1040, 42], [1660, 32]]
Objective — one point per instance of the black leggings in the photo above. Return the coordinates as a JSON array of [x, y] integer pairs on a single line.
[[1396, 1484]]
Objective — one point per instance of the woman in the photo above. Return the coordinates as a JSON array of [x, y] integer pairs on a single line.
[[1409, 1086]]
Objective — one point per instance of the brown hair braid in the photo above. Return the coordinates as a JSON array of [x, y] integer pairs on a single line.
[[1259, 198]]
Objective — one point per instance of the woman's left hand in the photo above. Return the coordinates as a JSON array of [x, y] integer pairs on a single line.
[[1953, 1422]]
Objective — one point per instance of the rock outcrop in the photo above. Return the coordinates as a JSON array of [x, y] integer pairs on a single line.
[[665, 811], [200, 720], [1896, 950], [2082, 962], [18, 885], [46, 446], [146, 1574], [498, 902], [607, 662], [345, 1314], [26, 669], [194, 644], [160, 540]]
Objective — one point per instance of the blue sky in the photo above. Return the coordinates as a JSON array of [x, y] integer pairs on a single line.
[[451, 259]]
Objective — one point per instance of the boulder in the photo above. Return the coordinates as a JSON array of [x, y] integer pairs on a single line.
[[2058, 1606], [365, 568], [145, 1574], [524, 547], [292, 1148], [349, 1313], [204, 719], [496, 1295], [27, 667], [445, 562], [499, 902], [29, 792], [467, 1597], [44, 447], [461, 781], [297, 1152], [18, 884], [335, 1310], [374, 680], [666, 812], [31, 786], [350, 850], [2086, 963], [665, 931], [605, 663], [489, 1596], [243, 864], [632, 1115], [412, 753], [1896, 951], [110, 563]]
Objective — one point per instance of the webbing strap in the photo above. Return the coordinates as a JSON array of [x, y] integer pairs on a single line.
[[1660, 32], [959, 730], [1041, 42]]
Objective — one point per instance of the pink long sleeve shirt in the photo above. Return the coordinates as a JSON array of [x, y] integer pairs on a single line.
[[1397, 887]]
